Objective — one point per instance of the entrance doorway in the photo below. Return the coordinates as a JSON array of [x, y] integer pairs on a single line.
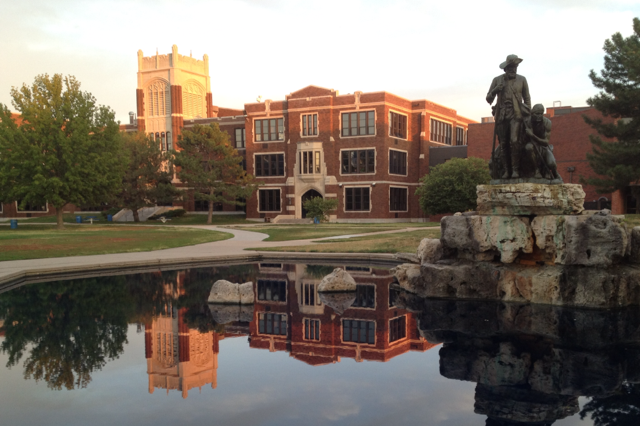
[[312, 193]]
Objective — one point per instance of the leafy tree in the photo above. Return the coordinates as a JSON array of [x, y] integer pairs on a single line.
[[619, 409], [319, 207], [147, 178], [66, 329], [451, 187], [212, 167], [617, 162], [66, 150]]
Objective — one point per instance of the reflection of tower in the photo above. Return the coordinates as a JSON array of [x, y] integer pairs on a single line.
[[179, 358]]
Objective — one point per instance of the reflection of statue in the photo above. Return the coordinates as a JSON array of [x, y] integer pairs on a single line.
[[538, 149], [514, 104]]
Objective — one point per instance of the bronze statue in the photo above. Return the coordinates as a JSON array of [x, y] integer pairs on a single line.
[[540, 152], [513, 106]]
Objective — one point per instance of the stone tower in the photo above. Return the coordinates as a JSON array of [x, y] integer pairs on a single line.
[[171, 88]]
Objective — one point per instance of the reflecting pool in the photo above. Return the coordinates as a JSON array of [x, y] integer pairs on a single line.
[[148, 349]]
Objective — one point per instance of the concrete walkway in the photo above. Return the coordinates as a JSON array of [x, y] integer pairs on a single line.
[[231, 250]]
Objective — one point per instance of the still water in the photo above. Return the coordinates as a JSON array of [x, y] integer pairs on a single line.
[[147, 349]]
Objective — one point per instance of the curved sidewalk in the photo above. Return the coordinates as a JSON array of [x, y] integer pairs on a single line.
[[228, 250]]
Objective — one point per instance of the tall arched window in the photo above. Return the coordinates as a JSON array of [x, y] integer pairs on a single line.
[[158, 140], [193, 100], [158, 99], [164, 142], [169, 142]]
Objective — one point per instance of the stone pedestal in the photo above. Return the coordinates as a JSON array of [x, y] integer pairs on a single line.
[[527, 199]]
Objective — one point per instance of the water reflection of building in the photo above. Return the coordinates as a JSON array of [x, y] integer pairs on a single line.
[[289, 316]]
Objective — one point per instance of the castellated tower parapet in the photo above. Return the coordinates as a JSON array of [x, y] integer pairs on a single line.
[[171, 88]]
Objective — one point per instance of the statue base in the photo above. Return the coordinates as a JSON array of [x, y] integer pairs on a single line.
[[529, 199], [542, 181]]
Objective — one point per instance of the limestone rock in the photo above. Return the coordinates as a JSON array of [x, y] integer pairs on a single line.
[[549, 232], [225, 292], [526, 199], [409, 278], [338, 280], [429, 250], [597, 240], [225, 314], [339, 302], [407, 257], [480, 237], [635, 245]]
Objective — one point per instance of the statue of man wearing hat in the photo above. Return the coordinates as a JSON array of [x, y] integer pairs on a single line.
[[514, 104]]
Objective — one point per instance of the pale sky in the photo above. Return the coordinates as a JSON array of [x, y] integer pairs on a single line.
[[446, 52]]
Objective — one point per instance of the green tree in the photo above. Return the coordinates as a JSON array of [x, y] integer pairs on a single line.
[[617, 162], [66, 149], [212, 167], [147, 178], [451, 187], [319, 207]]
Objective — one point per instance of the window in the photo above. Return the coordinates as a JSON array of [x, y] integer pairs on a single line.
[[397, 162], [1, 206], [357, 199], [359, 161], [158, 101], [397, 328], [269, 130], [275, 324], [272, 290], [461, 136], [240, 138], [242, 207], [440, 131], [397, 199], [309, 296], [359, 331], [269, 165], [193, 100], [394, 294], [269, 200], [310, 125], [32, 207], [398, 125], [309, 162], [203, 206], [365, 297], [358, 123], [311, 329], [169, 142]]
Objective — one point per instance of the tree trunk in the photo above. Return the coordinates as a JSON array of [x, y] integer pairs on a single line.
[[136, 217], [210, 215], [59, 218]]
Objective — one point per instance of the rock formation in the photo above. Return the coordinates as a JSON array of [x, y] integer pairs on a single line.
[[338, 280], [225, 292], [532, 255]]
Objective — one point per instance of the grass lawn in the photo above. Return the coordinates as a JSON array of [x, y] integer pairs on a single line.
[[632, 220], [304, 232], [37, 242], [406, 242], [189, 219]]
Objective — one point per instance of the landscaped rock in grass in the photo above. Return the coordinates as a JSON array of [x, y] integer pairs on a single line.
[[226, 292], [338, 280]]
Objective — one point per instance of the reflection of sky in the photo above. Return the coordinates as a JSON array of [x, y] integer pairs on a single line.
[[255, 387]]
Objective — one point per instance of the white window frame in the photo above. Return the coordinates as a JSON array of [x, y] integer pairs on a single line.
[[443, 121], [344, 198], [407, 202], [406, 138], [375, 122], [276, 117], [375, 331], [375, 160], [302, 135], [284, 165], [406, 164], [406, 329], [269, 189], [319, 329], [375, 298]]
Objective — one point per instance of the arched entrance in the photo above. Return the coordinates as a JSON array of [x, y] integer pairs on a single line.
[[312, 193]]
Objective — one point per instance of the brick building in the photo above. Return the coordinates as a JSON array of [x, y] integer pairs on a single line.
[[570, 140], [367, 150]]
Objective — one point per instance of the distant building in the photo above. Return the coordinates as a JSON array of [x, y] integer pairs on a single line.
[[367, 150]]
